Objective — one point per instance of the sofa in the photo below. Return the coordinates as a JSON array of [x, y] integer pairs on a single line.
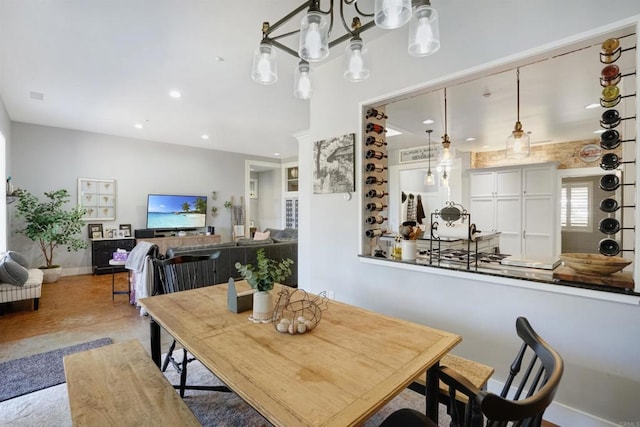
[[281, 243], [17, 281]]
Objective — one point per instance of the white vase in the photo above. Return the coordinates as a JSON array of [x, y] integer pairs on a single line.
[[262, 306], [409, 249]]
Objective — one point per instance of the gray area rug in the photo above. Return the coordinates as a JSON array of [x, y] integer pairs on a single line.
[[50, 406], [29, 374]]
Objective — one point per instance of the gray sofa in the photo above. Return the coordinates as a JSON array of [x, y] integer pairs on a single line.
[[281, 244]]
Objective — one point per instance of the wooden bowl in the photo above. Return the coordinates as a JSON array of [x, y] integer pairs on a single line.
[[596, 264]]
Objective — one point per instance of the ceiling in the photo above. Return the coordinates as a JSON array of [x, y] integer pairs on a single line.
[[554, 90], [102, 66]]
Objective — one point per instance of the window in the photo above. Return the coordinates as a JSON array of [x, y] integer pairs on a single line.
[[575, 203]]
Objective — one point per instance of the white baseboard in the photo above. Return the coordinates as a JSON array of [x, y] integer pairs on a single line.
[[561, 414], [76, 271]]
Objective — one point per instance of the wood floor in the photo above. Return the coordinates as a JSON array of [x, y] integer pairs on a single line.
[[74, 310]]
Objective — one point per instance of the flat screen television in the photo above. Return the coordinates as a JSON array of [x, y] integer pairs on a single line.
[[174, 212]]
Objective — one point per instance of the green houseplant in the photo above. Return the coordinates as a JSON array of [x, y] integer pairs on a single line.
[[49, 224], [261, 277]]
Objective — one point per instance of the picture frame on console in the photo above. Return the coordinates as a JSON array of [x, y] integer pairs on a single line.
[[126, 228], [95, 231]]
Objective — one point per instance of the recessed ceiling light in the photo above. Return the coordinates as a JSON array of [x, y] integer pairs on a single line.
[[427, 121], [599, 131], [205, 136], [176, 94], [219, 59], [276, 154], [392, 132], [38, 96], [470, 139], [138, 126], [485, 146], [592, 106]]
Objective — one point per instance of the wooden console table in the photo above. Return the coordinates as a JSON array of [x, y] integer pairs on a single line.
[[165, 243]]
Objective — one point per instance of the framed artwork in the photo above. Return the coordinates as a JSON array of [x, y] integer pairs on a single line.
[[110, 233], [98, 197], [126, 228], [334, 160], [119, 234], [95, 231]]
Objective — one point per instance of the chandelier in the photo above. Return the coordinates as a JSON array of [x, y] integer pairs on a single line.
[[315, 32]]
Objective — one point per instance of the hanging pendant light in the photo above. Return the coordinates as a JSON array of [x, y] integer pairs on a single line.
[[428, 178], [518, 143], [303, 81], [265, 67], [314, 34], [390, 14], [445, 178], [447, 153], [424, 31], [356, 58]]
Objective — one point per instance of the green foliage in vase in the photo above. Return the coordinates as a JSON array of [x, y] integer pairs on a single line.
[[49, 224], [266, 272]]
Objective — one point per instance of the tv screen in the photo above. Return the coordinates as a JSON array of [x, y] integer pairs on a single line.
[[171, 212]]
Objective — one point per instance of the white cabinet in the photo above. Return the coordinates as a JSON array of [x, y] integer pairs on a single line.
[[517, 201]]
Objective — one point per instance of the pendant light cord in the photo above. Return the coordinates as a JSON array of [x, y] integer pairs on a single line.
[[518, 92], [445, 110]]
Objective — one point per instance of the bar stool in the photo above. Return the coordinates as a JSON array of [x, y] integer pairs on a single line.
[[114, 264]]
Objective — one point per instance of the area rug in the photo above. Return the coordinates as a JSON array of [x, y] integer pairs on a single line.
[[51, 406], [29, 374]]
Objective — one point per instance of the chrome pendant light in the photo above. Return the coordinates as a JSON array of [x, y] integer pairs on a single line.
[[518, 143], [428, 178]]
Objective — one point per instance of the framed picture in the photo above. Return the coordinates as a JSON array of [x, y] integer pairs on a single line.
[[119, 234], [95, 231], [98, 197], [109, 233], [334, 164], [127, 229]]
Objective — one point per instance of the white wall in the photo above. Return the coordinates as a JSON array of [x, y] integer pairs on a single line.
[[598, 339], [5, 149], [46, 158], [269, 199]]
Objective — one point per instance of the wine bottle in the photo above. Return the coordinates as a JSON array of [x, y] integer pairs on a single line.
[[374, 167], [609, 226], [373, 154], [609, 247], [610, 161], [373, 127], [609, 205], [371, 140], [376, 114], [373, 193], [609, 182], [377, 219], [610, 140], [610, 119], [375, 233], [377, 206], [370, 180]]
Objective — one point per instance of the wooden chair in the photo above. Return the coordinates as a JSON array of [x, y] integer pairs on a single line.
[[178, 274], [520, 405]]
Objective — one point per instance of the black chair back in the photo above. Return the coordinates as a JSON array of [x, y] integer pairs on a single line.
[[185, 272]]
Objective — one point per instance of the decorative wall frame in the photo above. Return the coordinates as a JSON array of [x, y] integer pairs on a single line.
[[95, 231], [333, 160], [126, 228], [98, 197]]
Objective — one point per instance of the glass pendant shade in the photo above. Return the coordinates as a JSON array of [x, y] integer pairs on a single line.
[[390, 14], [265, 67], [424, 31], [445, 179], [303, 81], [356, 61], [447, 154], [428, 178], [518, 143], [314, 37]]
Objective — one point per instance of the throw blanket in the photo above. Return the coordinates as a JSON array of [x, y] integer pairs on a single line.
[[143, 283], [135, 261]]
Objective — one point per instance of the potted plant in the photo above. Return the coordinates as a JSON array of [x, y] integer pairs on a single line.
[[51, 226], [261, 277]]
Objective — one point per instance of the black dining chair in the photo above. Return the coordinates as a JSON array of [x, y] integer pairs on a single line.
[[525, 396], [178, 274]]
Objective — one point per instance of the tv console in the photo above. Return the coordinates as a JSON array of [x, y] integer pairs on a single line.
[[165, 243]]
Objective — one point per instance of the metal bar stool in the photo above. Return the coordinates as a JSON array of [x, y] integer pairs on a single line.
[[114, 264]]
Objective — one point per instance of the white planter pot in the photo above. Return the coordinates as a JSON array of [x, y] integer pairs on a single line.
[[409, 250], [262, 306], [51, 275]]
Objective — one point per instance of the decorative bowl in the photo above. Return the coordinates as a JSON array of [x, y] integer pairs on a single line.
[[596, 264]]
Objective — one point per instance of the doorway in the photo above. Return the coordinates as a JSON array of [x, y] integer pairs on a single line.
[[263, 195]]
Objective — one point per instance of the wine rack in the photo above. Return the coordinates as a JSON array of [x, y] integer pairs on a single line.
[[375, 194], [617, 152]]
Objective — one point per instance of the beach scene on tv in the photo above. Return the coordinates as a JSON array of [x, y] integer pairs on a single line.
[[171, 211]]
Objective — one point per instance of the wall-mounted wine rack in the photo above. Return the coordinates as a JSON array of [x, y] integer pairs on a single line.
[[611, 139], [376, 179]]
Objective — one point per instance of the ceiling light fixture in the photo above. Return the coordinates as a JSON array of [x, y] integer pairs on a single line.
[[447, 154], [138, 126], [428, 121], [175, 94], [205, 136], [518, 143], [428, 178], [317, 24]]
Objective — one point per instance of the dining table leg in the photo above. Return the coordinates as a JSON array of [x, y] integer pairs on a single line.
[[154, 333], [432, 391]]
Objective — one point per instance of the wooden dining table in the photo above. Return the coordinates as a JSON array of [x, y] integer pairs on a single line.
[[338, 374]]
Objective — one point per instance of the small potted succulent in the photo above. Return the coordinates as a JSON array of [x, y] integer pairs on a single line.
[[262, 277]]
